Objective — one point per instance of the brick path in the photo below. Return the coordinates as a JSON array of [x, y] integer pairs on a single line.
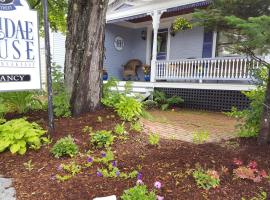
[[179, 131]]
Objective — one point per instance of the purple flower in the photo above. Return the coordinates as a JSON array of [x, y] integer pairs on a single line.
[[103, 155], [117, 173], [139, 176], [89, 159], [114, 164], [160, 197], [59, 168], [52, 177], [157, 185], [99, 174], [139, 182]]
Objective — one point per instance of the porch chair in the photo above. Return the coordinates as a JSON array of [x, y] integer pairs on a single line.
[[131, 70]]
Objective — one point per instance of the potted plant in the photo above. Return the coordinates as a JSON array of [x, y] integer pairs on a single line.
[[180, 23], [105, 75], [147, 72]]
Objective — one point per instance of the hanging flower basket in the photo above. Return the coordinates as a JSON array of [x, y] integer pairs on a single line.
[[180, 24]]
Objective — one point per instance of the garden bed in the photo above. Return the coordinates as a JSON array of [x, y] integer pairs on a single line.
[[168, 163]]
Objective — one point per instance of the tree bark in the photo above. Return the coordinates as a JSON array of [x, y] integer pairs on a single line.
[[84, 53], [264, 135]]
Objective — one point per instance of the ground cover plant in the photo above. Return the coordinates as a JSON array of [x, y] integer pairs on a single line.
[[96, 172], [164, 101]]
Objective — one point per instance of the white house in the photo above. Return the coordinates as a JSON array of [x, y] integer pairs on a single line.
[[194, 64]]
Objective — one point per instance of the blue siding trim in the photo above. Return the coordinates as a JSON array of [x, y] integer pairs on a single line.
[[188, 6], [127, 18]]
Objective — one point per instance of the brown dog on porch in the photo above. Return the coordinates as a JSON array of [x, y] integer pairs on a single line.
[[131, 70]]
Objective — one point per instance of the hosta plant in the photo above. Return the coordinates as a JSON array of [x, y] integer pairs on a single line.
[[65, 147], [18, 134], [102, 138]]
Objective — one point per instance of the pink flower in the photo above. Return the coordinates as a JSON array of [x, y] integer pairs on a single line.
[[263, 174], [160, 197], [237, 162], [139, 182], [157, 185], [253, 165]]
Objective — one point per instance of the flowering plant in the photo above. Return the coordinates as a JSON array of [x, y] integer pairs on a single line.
[[146, 69]]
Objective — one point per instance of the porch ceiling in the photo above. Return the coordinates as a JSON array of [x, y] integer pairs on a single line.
[[171, 12]]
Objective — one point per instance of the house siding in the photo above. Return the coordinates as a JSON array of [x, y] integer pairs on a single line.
[[187, 44], [135, 48], [58, 48]]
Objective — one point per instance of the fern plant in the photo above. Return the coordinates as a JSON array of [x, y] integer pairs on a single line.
[[165, 102], [16, 135]]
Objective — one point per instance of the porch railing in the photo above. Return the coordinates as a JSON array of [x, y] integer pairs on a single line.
[[237, 68]]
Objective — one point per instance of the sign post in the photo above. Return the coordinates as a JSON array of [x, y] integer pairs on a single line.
[[48, 64]]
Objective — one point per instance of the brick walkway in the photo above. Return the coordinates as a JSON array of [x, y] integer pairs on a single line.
[[175, 125]]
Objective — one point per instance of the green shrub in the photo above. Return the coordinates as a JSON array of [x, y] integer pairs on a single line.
[[251, 118], [138, 192], [128, 108], [149, 104], [119, 129], [65, 147], [165, 102], [102, 138], [61, 105], [20, 102], [153, 139], [17, 134], [206, 180], [136, 126]]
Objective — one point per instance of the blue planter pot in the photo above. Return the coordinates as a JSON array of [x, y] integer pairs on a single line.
[[105, 76], [147, 77]]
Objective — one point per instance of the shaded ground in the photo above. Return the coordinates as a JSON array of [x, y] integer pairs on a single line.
[[168, 163], [181, 124]]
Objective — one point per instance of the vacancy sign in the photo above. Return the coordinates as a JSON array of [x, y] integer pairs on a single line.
[[19, 47]]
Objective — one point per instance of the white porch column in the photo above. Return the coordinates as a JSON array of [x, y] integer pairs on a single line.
[[156, 14]]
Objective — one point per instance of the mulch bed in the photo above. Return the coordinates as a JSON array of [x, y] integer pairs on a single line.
[[166, 163]]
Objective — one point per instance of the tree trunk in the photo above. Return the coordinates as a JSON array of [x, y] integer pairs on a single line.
[[84, 53], [264, 135]]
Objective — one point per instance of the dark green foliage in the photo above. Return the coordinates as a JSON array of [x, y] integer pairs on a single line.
[[61, 105], [65, 147], [138, 192], [16, 135], [150, 104], [164, 101], [57, 13]]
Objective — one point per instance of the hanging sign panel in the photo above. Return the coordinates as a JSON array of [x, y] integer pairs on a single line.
[[19, 47]]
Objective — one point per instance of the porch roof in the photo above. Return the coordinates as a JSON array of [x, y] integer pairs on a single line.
[[141, 14]]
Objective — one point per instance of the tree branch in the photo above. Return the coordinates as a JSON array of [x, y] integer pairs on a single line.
[[36, 4]]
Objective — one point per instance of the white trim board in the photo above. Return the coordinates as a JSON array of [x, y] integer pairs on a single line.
[[206, 86]]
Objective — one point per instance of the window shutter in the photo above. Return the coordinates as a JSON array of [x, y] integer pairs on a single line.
[[207, 44]]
